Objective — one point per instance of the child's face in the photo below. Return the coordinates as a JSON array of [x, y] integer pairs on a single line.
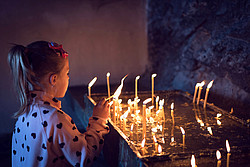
[[63, 81]]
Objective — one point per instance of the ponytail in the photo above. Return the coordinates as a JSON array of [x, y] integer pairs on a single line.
[[21, 72], [29, 65]]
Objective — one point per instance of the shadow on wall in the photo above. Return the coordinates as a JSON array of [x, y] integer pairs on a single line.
[[191, 41]]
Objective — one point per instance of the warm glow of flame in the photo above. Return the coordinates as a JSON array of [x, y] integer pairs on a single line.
[[218, 122], [138, 77], [155, 140], [154, 130], [163, 141], [157, 99], [227, 146], [108, 74], [154, 75], [218, 115], [133, 115], [193, 161], [151, 120], [125, 115], [202, 124], [129, 101], [210, 130], [159, 149], [143, 142], [161, 103], [132, 126], [202, 83], [147, 101], [172, 139], [110, 103], [210, 84], [151, 107], [197, 85], [159, 127], [137, 111], [182, 131], [172, 106], [119, 89], [157, 112], [92, 82], [120, 101], [218, 155]]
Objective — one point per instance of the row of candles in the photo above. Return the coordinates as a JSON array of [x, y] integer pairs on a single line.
[[218, 156], [158, 147]]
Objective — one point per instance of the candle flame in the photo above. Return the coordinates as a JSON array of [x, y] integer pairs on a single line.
[[202, 83], [157, 112], [132, 115], [132, 126], [108, 74], [210, 84], [182, 131], [154, 130], [129, 101], [197, 85], [159, 149], [119, 89], [154, 75], [147, 101], [151, 120], [228, 146], [92, 82], [155, 140], [151, 107], [172, 106], [210, 130], [138, 77], [202, 124], [159, 127], [163, 141], [161, 103], [193, 161], [143, 142], [218, 155], [137, 111], [157, 99], [172, 139], [218, 115], [124, 116], [218, 122], [110, 103]]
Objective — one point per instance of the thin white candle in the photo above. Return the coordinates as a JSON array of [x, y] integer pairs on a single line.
[[136, 85], [228, 152], [207, 91], [152, 78], [218, 155], [183, 136], [195, 91], [144, 116], [193, 164], [91, 84], [108, 85], [199, 94]]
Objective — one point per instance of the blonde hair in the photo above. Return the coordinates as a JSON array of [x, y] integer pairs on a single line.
[[29, 65]]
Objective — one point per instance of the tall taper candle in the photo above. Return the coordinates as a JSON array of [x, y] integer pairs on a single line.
[[153, 76], [136, 85], [108, 74], [199, 94], [207, 91], [195, 91]]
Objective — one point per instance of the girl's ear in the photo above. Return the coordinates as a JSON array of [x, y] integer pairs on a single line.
[[53, 79]]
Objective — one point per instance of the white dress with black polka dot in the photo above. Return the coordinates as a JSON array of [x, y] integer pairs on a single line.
[[47, 136]]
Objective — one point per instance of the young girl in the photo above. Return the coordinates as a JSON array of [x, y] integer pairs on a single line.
[[44, 135]]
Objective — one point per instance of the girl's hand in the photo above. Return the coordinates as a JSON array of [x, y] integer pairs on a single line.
[[101, 109]]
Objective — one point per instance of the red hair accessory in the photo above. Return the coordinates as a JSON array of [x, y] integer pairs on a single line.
[[58, 48]]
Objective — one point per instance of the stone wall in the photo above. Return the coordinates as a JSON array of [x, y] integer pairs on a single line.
[[190, 41]]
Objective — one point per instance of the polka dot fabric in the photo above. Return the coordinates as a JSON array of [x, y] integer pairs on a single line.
[[48, 137]]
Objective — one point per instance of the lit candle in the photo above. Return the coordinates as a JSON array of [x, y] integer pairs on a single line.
[[195, 91], [193, 164], [199, 94], [124, 118], [155, 143], [131, 132], [157, 103], [228, 152], [210, 130], [218, 155], [153, 76], [183, 136], [161, 108], [207, 91], [144, 117], [172, 110], [136, 80], [108, 74], [149, 111], [142, 146], [159, 149], [91, 84]]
